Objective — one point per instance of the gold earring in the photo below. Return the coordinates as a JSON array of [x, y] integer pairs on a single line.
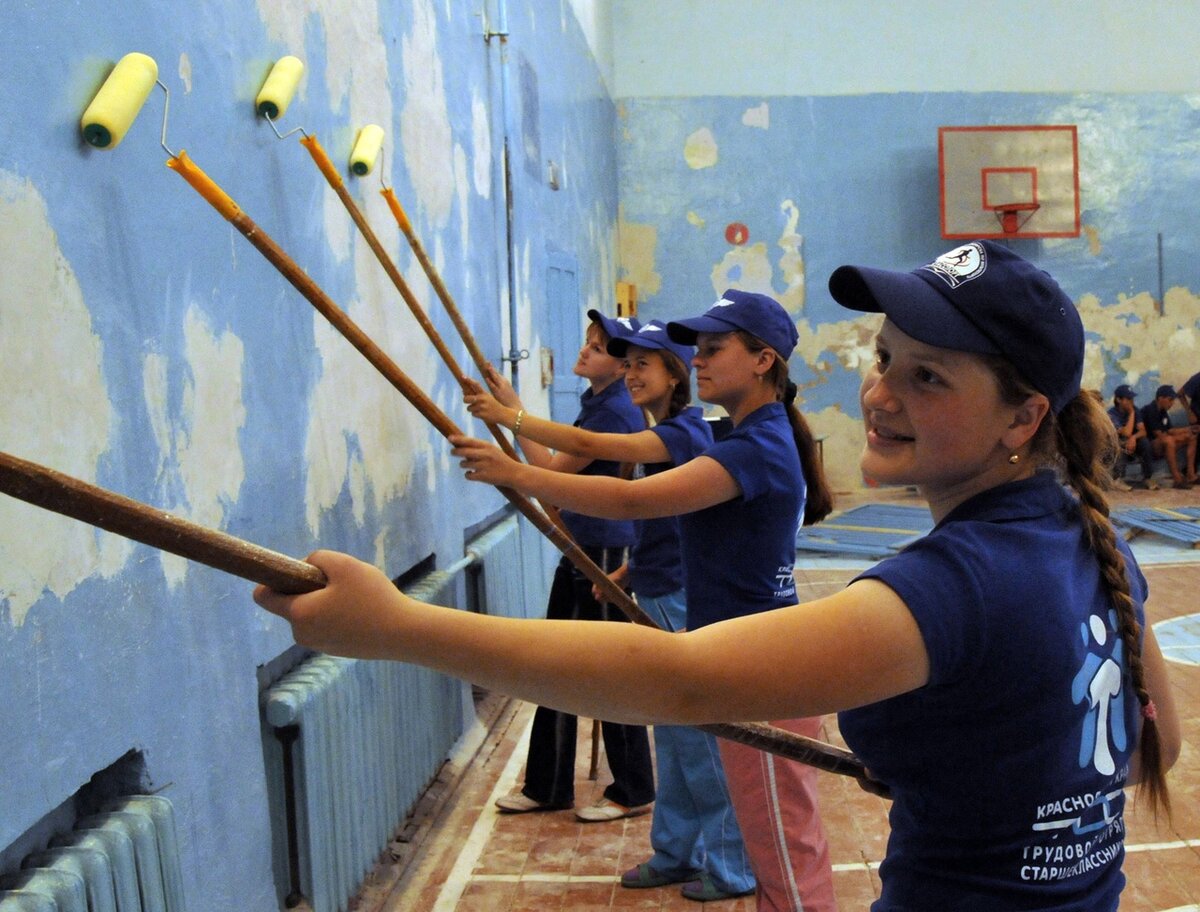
[[1014, 458]]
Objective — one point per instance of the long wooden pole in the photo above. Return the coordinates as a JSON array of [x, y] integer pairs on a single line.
[[435, 280], [327, 168], [806, 750], [338, 318], [80, 500], [68, 496]]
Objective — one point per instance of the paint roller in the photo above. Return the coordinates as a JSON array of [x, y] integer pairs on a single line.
[[113, 109], [71, 497], [366, 149], [279, 88], [51, 490], [326, 167], [283, 79]]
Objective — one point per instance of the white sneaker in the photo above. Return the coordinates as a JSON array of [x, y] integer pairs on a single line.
[[520, 803], [604, 810]]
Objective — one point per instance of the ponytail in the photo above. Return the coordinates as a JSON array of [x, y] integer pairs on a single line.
[[1082, 443], [818, 501]]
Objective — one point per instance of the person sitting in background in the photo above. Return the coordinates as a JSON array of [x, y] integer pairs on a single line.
[[1134, 441], [1189, 395], [1166, 440]]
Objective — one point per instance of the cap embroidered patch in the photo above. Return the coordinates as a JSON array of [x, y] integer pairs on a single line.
[[961, 265]]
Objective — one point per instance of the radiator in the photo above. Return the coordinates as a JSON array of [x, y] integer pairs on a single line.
[[124, 859], [499, 564], [356, 743]]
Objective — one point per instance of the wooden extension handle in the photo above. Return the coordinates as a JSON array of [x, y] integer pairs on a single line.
[[59, 493], [814, 753], [69, 496]]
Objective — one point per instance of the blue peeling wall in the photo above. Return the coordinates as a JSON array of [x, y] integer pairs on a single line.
[[821, 181], [147, 347]]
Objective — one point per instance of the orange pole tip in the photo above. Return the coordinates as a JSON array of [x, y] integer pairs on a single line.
[[204, 185]]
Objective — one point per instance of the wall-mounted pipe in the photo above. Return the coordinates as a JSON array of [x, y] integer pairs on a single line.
[[515, 353]]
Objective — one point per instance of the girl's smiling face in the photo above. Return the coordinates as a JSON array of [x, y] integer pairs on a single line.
[[935, 419], [649, 382]]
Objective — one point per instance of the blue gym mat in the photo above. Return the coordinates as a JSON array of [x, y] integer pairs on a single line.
[[872, 530]]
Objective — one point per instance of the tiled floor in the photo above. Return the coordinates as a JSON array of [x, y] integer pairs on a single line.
[[471, 858]]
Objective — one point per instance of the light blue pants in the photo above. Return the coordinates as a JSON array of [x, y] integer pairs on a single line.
[[694, 828]]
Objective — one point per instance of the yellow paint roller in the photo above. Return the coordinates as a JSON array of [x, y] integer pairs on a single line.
[[119, 100], [276, 94], [366, 149]]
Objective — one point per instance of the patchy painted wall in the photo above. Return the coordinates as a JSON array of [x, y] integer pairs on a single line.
[[772, 194], [145, 346]]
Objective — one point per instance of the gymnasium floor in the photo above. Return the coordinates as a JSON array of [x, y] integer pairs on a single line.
[[463, 856]]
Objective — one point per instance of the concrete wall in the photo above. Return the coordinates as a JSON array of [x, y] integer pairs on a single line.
[[815, 126], [147, 347]]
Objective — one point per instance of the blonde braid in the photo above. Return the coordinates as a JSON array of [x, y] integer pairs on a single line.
[[1082, 443]]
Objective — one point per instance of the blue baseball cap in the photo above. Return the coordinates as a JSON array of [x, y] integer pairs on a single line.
[[652, 335], [758, 314], [983, 298], [1124, 391], [615, 327], [1165, 390]]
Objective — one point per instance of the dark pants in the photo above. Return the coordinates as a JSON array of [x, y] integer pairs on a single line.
[[1143, 451], [550, 766]]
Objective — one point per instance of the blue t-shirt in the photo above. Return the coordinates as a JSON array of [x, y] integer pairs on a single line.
[[1119, 418], [1155, 419], [610, 411], [739, 555], [655, 564], [1007, 768]]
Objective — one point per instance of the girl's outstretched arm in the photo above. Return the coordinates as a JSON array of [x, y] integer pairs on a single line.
[[699, 483], [855, 647], [504, 414], [641, 446]]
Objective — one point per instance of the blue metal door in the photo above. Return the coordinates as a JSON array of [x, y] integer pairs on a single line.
[[563, 336]]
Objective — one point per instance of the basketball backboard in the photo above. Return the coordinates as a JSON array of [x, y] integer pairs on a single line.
[[1009, 181]]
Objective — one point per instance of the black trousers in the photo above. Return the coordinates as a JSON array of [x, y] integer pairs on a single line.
[[1143, 452], [550, 766]]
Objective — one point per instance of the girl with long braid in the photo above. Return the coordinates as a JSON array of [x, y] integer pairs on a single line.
[[997, 676]]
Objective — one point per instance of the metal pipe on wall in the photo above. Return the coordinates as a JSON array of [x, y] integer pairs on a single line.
[[515, 354]]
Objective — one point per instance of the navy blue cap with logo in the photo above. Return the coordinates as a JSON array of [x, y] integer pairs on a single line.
[[758, 314], [983, 298], [1124, 391], [615, 327], [651, 335]]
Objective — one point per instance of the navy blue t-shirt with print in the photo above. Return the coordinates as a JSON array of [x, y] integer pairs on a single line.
[[610, 411], [739, 555], [1007, 768], [655, 563], [1155, 419]]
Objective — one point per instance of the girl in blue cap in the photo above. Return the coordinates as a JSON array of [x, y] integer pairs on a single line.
[[739, 506], [694, 833], [550, 763], [996, 676]]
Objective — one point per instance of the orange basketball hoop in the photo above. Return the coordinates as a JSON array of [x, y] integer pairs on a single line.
[[1012, 216], [1009, 181]]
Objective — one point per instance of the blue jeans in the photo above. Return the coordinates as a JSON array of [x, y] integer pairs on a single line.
[[694, 828]]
